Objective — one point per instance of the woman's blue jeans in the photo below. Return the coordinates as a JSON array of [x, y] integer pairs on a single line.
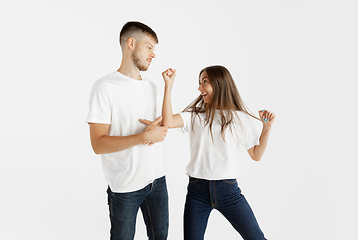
[[153, 202], [224, 195]]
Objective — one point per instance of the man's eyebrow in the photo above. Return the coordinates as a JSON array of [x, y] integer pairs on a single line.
[[150, 44]]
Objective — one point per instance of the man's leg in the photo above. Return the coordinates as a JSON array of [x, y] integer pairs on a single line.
[[123, 209], [155, 210]]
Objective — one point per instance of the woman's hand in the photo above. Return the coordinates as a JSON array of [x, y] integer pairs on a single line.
[[169, 76], [267, 117]]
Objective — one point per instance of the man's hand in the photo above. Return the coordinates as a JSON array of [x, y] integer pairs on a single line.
[[154, 132]]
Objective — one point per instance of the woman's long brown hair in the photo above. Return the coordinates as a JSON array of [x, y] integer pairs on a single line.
[[225, 97]]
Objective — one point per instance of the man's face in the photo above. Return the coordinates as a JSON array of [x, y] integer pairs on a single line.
[[143, 53]]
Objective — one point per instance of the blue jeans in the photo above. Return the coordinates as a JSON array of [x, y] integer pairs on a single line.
[[153, 202], [224, 195]]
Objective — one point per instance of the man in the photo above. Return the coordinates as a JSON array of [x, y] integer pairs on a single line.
[[131, 160]]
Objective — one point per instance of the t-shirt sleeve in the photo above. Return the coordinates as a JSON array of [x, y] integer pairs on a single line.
[[252, 137], [99, 104], [186, 116]]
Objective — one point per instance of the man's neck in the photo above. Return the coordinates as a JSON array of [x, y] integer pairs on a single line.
[[130, 70]]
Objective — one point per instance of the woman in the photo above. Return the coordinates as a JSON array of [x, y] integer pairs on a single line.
[[219, 126]]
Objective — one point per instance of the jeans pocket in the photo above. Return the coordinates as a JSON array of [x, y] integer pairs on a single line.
[[109, 196], [193, 180], [230, 181]]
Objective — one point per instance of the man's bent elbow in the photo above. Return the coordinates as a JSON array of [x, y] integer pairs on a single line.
[[96, 149], [256, 158]]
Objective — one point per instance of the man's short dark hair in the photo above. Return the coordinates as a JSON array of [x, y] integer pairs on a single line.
[[131, 28]]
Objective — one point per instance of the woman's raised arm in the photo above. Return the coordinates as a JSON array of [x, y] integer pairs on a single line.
[[170, 120]]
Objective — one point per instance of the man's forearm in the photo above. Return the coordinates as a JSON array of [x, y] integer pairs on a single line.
[[110, 144]]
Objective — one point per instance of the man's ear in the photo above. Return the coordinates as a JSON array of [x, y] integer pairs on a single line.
[[130, 43]]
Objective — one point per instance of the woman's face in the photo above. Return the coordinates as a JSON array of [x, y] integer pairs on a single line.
[[205, 87]]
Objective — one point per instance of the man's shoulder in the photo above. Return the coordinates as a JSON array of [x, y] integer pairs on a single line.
[[150, 83], [104, 81], [108, 77]]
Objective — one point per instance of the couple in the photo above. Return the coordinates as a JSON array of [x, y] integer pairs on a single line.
[[121, 105]]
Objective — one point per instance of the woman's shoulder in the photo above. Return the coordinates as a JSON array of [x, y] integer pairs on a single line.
[[243, 116]]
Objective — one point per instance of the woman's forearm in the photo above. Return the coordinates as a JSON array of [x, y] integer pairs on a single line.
[[167, 111], [169, 120], [259, 150]]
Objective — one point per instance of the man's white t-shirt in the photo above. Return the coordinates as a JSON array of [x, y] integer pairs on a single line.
[[121, 101], [216, 158]]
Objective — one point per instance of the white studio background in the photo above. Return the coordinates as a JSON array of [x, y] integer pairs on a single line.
[[296, 58]]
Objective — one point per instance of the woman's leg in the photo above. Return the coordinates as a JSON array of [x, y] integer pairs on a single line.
[[233, 205], [197, 209]]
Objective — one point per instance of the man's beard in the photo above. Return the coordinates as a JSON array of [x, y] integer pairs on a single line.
[[137, 62]]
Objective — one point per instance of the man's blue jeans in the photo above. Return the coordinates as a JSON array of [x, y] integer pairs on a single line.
[[224, 195], [153, 202]]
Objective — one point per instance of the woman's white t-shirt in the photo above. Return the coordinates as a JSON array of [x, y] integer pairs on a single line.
[[216, 158]]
